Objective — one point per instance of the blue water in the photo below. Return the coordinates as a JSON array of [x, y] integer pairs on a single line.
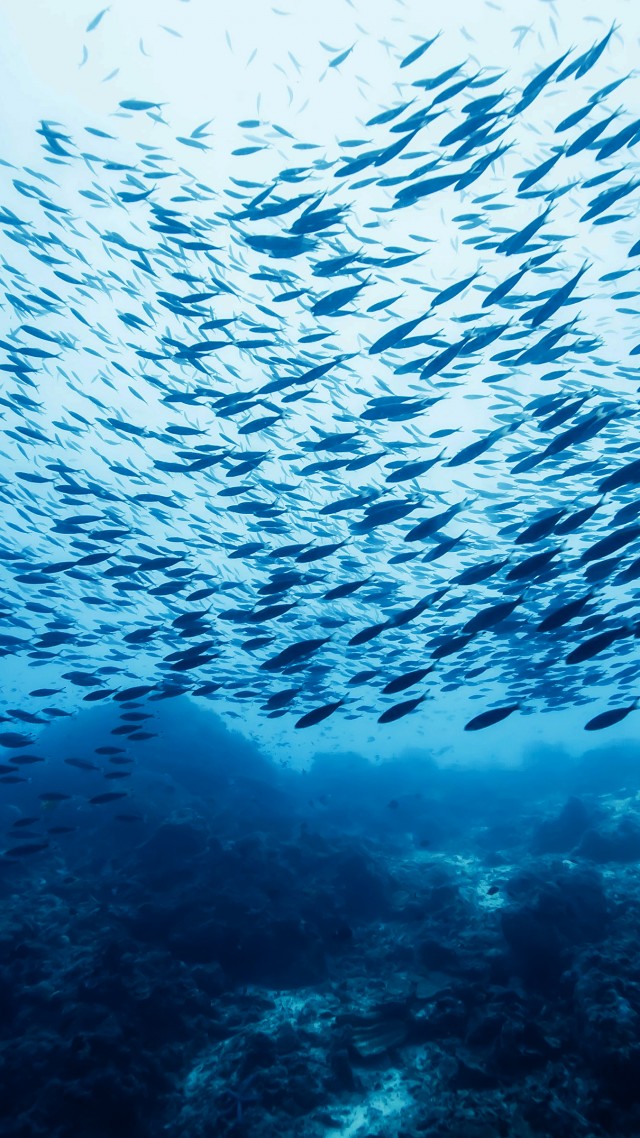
[[319, 544]]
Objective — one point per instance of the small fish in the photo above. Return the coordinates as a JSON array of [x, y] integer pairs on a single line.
[[93, 24], [318, 714], [481, 572], [27, 850], [557, 617], [338, 59], [294, 654], [593, 645], [138, 105], [13, 740], [488, 718], [611, 543], [433, 524], [609, 718], [407, 680], [82, 764], [399, 710], [134, 693], [418, 51], [109, 796], [489, 617]]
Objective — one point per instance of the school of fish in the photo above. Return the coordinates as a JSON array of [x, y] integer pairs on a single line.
[[294, 466]]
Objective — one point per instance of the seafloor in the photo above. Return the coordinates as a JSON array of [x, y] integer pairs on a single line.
[[349, 953]]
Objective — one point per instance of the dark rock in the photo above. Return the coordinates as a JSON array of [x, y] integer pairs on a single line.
[[485, 1030], [283, 955], [438, 957], [520, 1049], [618, 842], [563, 912], [442, 897], [260, 1053], [556, 835], [501, 836], [209, 979], [361, 890], [618, 1077], [104, 1105], [471, 1077], [537, 949], [446, 1018], [607, 1007], [173, 842], [343, 1076]]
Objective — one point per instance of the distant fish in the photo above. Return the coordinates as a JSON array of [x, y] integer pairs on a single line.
[[82, 764], [13, 740], [27, 850], [138, 105], [93, 24], [109, 796], [338, 59]]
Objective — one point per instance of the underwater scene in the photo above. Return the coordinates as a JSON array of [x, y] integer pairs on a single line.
[[320, 569]]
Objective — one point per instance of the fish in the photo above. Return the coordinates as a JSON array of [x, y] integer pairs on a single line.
[[137, 105], [562, 614], [609, 718], [294, 653], [399, 710], [593, 645], [417, 53], [330, 302], [318, 714], [338, 59], [396, 335], [401, 683], [432, 524], [13, 740], [108, 796], [82, 764], [97, 19], [490, 616], [474, 450], [532, 566], [488, 718], [27, 850], [614, 541], [481, 572]]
